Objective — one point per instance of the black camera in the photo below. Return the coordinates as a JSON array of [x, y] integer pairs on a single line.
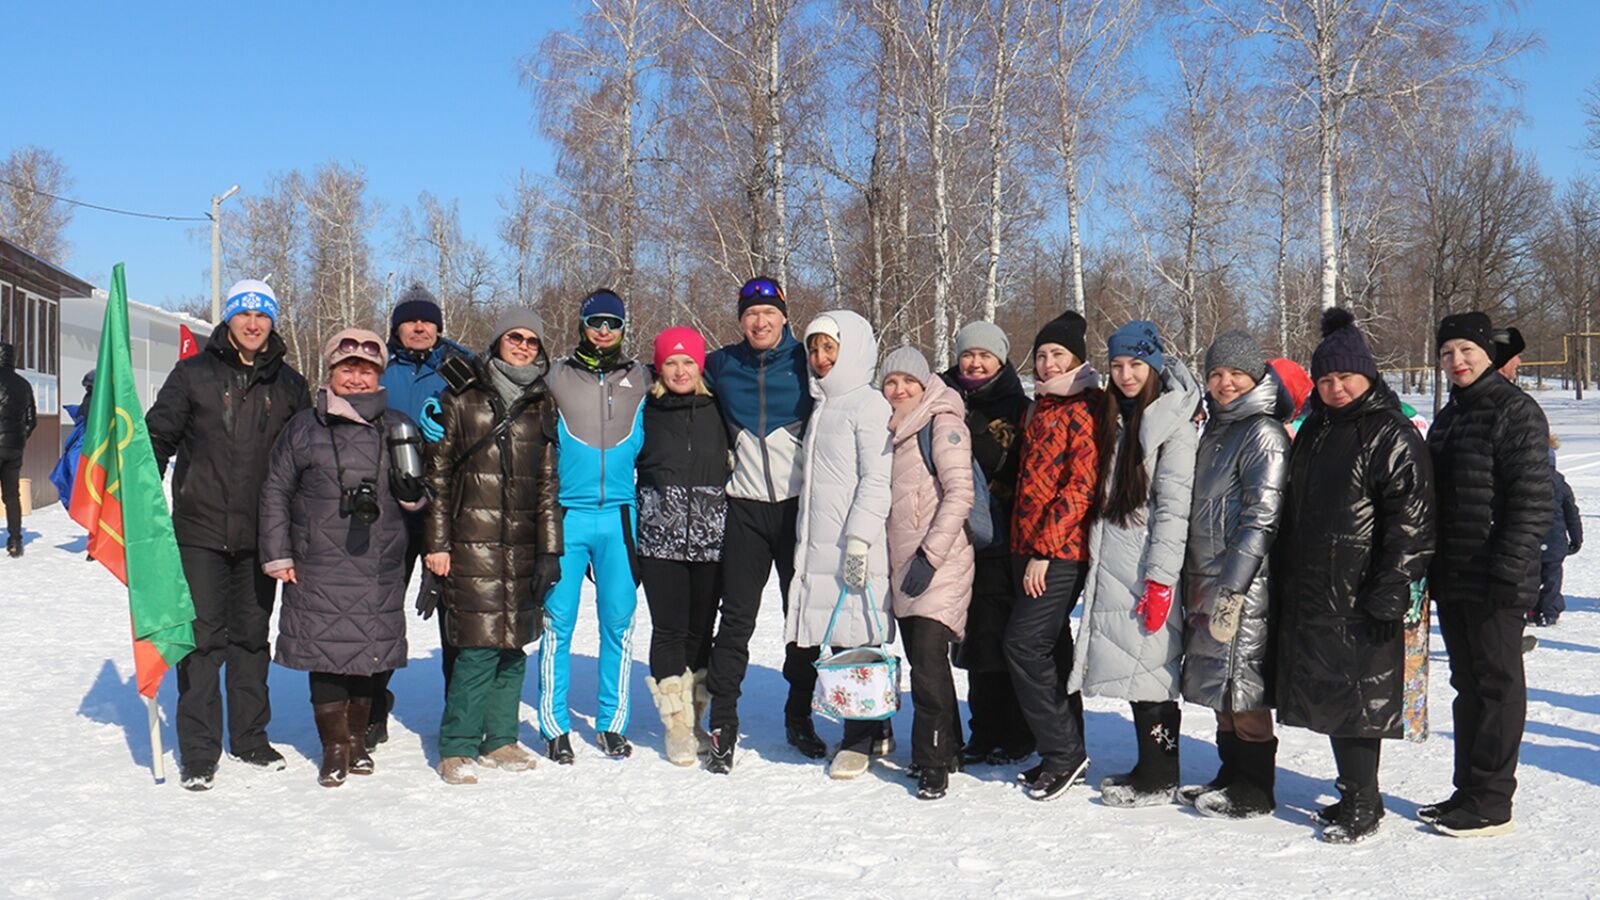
[[360, 502]]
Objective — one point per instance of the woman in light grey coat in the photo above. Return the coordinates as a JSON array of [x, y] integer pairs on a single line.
[[841, 544], [1239, 479], [1131, 643]]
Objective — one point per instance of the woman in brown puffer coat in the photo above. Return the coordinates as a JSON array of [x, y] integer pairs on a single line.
[[494, 535]]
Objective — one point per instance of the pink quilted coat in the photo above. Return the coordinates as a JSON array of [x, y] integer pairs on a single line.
[[931, 513]]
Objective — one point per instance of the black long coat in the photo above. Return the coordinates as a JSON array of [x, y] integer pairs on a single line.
[[494, 512], [18, 415], [1491, 462], [1358, 528]]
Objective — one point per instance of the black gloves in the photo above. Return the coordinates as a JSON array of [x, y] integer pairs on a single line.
[[918, 576], [428, 594], [1382, 631], [406, 488], [546, 572], [1574, 547]]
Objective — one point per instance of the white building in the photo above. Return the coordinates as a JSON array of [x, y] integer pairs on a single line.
[[152, 337]]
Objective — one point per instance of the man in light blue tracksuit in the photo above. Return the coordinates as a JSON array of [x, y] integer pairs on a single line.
[[600, 396]]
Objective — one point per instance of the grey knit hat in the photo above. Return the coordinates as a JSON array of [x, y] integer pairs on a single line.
[[983, 335], [907, 360], [517, 317], [1237, 350]]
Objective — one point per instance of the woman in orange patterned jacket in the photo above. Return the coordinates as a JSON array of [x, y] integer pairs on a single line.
[[1049, 543]]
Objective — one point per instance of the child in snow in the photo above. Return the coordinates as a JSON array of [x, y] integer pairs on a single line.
[[1565, 539]]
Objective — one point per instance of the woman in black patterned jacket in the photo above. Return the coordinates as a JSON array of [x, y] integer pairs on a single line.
[[682, 509]]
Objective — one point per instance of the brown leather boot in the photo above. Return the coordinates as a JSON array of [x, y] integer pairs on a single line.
[[360, 713], [333, 728]]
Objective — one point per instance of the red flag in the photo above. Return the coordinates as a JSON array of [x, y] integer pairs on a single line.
[[187, 345]]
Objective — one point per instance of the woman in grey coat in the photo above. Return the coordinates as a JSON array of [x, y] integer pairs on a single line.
[[1240, 472], [1131, 644], [331, 531]]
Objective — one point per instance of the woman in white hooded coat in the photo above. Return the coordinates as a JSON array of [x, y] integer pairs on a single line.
[[841, 545]]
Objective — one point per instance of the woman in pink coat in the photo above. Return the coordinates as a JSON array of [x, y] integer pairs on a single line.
[[931, 561]]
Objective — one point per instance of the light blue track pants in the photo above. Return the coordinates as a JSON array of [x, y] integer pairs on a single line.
[[599, 538]]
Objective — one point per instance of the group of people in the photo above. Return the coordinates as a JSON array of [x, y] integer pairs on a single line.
[[1241, 539]]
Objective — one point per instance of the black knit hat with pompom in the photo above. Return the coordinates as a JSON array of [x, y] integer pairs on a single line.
[[1343, 349]]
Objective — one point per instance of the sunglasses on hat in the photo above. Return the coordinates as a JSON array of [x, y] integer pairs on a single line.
[[760, 287], [364, 348], [602, 322]]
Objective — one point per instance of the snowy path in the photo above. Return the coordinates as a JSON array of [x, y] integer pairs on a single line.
[[82, 818]]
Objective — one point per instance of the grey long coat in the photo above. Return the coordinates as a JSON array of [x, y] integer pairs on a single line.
[[1119, 657], [1240, 473], [346, 612]]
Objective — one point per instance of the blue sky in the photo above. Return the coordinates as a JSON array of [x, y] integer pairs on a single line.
[[156, 106]]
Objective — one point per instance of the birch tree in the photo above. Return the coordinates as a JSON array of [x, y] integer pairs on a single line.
[[29, 216]]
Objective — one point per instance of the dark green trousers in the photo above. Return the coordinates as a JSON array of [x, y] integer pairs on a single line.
[[482, 702]]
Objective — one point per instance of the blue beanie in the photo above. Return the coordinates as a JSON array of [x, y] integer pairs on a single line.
[[602, 303], [252, 296], [1138, 339]]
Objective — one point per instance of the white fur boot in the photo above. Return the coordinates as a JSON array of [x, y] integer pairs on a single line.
[[673, 702]]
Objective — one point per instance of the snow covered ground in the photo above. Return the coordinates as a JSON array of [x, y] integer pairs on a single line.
[[81, 816]]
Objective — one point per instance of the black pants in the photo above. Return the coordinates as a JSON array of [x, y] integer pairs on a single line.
[[1356, 760], [758, 537], [1039, 648], [232, 610], [936, 728], [328, 687], [1491, 706], [1551, 601], [10, 482], [683, 607], [997, 719]]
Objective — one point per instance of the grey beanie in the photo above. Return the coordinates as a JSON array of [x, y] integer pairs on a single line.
[[983, 335], [517, 317], [1237, 350], [907, 360]]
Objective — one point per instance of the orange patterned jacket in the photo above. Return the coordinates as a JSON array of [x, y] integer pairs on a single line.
[[1057, 479]]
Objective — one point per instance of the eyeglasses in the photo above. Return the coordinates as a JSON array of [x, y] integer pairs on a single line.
[[518, 339], [760, 287], [602, 322], [365, 348]]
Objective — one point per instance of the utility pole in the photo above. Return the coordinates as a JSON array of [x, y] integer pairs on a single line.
[[216, 252]]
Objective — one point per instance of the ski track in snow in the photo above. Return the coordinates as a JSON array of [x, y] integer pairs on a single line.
[[83, 818]]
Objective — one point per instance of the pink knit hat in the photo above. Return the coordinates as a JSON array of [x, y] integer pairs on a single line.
[[680, 339]]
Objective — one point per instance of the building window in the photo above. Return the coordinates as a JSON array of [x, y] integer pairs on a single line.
[[6, 331]]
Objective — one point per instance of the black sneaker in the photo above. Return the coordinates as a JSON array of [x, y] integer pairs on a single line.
[[719, 760], [802, 735], [1463, 822], [614, 745], [1049, 785], [933, 783], [559, 748], [263, 757], [378, 727], [1434, 812], [197, 776], [14, 547]]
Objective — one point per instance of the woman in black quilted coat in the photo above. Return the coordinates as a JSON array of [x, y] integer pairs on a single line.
[[682, 470], [1357, 534], [1491, 463], [343, 617]]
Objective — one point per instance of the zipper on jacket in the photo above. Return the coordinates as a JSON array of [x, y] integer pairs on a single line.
[[688, 491], [761, 425], [605, 398]]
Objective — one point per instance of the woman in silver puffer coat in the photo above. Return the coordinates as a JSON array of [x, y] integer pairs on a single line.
[[1240, 473]]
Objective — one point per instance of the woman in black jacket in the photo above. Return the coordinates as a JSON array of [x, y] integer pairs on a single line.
[[682, 472], [1491, 464], [1356, 537]]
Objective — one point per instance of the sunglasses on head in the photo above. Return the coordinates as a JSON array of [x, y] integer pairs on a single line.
[[760, 287], [603, 322], [365, 348], [518, 339]]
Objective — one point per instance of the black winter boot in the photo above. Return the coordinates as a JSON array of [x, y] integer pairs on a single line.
[[802, 735], [360, 712], [614, 745], [719, 761], [378, 723], [1360, 809], [932, 783], [333, 729], [559, 748], [1251, 793], [1227, 744], [1155, 777]]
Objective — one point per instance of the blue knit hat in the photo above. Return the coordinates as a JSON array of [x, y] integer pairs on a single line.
[[602, 303], [252, 296], [1140, 340]]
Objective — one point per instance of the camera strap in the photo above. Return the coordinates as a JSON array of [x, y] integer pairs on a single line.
[[338, 465]]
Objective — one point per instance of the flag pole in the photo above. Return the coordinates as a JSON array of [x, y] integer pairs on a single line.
[[158, 765]]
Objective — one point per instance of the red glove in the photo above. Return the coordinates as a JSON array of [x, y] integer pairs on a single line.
[[1154, 605]]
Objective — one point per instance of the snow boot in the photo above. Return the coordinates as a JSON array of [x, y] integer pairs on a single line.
[[457, 770], [559, 748], [933, 783], [333, 729], [197, 776], [1048, 785], [883, 744], [675, 708], [1360, 810], [848, 764], [613, 744], [360, 712], [802, 736], [378, 724], [263, 757], [1154, 778], [510, 757], [14, 548], [719, 761], [1464, 822], [699, 691], [1251, 793], [1227, 741]]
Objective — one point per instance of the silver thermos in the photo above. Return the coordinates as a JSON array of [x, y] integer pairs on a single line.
[[405, 452]]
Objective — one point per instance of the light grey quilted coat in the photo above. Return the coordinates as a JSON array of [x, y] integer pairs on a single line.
[[1118, 657], [1240, 473]]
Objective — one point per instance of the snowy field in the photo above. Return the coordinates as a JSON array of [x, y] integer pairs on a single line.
[[81, 816]]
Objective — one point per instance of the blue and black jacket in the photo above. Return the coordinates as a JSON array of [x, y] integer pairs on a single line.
[[766, 400]]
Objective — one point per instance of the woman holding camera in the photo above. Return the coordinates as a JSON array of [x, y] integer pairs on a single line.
[[332, 532]]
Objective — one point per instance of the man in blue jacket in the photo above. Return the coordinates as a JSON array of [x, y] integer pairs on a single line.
[[417, 348], [600, 396]]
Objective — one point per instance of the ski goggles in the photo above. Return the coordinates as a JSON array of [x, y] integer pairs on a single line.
[[761, 287], [602, 322]]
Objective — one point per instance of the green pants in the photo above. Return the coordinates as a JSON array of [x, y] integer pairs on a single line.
[[482, 702]]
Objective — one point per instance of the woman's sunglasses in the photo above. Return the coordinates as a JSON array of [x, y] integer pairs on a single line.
[[603, 322], [365, 348], [518, 339]]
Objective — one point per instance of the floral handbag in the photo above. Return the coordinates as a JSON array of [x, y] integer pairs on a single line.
[[859, 683]]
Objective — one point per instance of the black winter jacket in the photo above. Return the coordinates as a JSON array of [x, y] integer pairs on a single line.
[[18, 415], [1566, 526], [994, 416], [682, 478], [1358, 529], [1491, 465], [495, 512], [220, 418]]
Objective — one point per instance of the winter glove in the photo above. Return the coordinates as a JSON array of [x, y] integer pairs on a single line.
[[546, 572], [855, 564], [1382, 631], [1574, 547], [428, 594], [918, 576], [406, 488], [1154, 605], [1224, 623]]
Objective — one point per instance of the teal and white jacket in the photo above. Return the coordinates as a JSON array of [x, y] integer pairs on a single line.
[[601, 428]]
